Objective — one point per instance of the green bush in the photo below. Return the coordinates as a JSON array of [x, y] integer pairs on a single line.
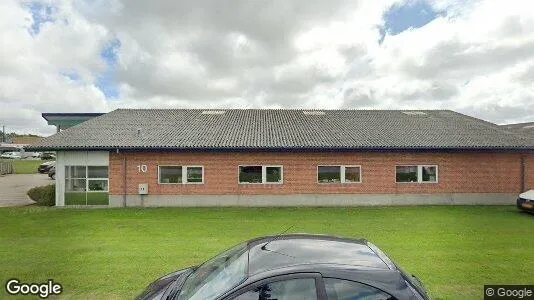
[[43, 195]]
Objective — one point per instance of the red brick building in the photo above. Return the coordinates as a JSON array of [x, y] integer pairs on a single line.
[[289, 158]]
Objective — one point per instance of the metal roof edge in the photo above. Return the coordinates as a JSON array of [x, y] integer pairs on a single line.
[[45, 115], [284, 149]]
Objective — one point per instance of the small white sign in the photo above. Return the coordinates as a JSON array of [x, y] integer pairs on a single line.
[[143, 189]]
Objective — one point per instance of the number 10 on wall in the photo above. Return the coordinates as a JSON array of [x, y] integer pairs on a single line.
[[142, 168]]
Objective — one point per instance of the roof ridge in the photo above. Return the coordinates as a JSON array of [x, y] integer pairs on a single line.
[[518, 124], [285, 109]]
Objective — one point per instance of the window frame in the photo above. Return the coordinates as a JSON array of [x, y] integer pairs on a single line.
[[319, 284], [184, 174], [326, 278], [98, 191], [419, 173], [88, 179], [263, 173], [342, 177], [68, 176]]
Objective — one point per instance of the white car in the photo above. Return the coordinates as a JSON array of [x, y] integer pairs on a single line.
[[526, 201], [11, 155]]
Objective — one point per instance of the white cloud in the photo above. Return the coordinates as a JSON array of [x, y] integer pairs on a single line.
[[478, 57], [468, 60], [31, 67]]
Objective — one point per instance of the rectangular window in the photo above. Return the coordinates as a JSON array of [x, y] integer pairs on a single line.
[[75, 172], [194, 174], [416, 174], [98, 185], [260, 174], [406, 174], [352, 174], [329, 174], [273, 174], [250, 174], [339, 174], [170, 174], [181, 174], [97, 172], [429, 173], [75, 185], [86, 185], [75, 179]]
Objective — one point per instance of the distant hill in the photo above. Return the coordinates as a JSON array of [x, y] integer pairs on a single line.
[[15, 138]]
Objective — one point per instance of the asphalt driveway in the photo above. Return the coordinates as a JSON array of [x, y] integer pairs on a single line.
[[13, 188]]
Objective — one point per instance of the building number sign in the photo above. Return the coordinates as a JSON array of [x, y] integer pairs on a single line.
[[142, 168]]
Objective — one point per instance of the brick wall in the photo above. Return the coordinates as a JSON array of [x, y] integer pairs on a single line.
[[458, 173], [529, 171]]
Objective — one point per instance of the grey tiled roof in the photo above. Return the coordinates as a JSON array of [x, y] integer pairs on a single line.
[[522, 128], [284, 129]]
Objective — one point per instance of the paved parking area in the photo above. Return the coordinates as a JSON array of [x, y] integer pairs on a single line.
[[13, 188]]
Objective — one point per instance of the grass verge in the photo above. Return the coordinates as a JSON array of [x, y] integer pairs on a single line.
[[24, 166], [114, 253]]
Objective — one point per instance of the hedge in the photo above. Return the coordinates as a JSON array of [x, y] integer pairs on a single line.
[[43, 195]]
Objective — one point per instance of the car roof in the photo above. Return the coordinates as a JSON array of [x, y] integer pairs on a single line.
[[275, 252]]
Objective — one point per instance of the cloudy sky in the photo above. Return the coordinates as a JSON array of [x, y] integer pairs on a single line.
[[475, 57]]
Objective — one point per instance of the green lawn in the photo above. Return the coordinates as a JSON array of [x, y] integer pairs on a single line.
[[114, 253], [24, 166], [83, 198]]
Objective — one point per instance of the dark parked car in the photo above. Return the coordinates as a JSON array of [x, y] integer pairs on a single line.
[[52, 173], [46, 156], [526, 201], [296, 266], [45, 167]]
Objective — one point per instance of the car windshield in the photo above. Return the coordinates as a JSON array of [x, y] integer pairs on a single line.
[[217, 275]]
